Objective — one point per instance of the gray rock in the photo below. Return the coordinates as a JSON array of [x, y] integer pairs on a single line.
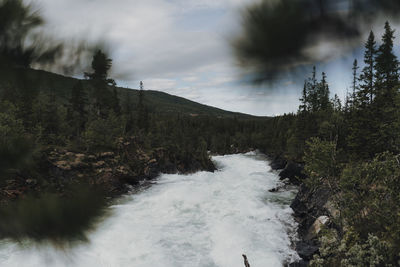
[[316, 227], [307, 250], [278, 163], [294, 172], [300, 263], [308, 205]]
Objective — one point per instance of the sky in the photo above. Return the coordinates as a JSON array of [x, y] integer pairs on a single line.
[[182, 47]]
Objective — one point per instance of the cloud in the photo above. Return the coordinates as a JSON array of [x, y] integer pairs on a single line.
[[192, 78], [160, 84], [188, 5], [146, 37], [177, 46]]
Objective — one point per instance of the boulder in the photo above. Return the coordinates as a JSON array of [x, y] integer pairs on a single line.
[[278, 163], [300, 263], [152, 161], [307, 250], [274, 190], [63, 165], [122, 170], [99, 164], [106, 154], [332, 209], [78, 163], [308, 205], [277, 189], [317, 226]]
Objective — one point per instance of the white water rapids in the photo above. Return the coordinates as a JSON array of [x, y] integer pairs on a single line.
[[204, 219]]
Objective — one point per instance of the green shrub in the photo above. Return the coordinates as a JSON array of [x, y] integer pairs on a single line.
[[321, 165]]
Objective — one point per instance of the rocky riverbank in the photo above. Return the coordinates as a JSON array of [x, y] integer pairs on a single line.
[[114, 171], [313, 209], [68, 191]]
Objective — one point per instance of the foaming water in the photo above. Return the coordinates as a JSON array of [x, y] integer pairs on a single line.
[[204, 219]]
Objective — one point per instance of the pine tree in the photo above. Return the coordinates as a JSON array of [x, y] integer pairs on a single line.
[[337, 104], [315, 95], [387, 65], [323, 94], [128, 111], [347, 101], [143, 122], [374, 124], [386, 103], [47, 115], [312, 91], [304, 99], [101, 65], [367, 77], [106, 99], [360, 125], [115, 102], [355, 78], [78, 108], [79, 99]]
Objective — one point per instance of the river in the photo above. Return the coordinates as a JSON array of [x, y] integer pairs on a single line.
[[204, 219]]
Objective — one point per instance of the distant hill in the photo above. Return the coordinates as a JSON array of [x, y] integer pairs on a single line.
[[155, 101]]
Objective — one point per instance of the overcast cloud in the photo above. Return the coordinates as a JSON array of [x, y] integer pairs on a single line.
[[176, 46]]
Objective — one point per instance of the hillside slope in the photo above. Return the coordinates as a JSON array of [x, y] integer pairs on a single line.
[[155, 101]]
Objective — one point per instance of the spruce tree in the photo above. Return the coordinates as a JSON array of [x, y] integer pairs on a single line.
[[355, 77], [115, 102], [106, 99], [367, 77], [323, 94], [304, 99], [337, 104], [48, 115], [385, 106], [387, 65], [312, 91], [347, 101], [78, 108], [143, 122], [101, 65], [361, 126], [128, 112]]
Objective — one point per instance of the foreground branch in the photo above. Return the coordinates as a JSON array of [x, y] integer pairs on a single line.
[[246, 262]]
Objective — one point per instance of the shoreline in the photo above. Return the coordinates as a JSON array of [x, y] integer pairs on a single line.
[[311, 209]]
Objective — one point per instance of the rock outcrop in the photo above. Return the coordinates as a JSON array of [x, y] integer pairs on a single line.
[[294, 172], [277, 162], [312, 211], [114, 171]]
